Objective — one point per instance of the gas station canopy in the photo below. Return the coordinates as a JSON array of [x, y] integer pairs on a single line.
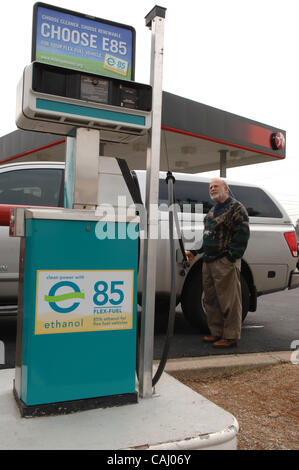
[[194, 137]]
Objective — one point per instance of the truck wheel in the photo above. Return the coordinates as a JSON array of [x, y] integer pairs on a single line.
[[192, 301]]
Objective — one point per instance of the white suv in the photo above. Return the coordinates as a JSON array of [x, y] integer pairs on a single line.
[[268, 265]]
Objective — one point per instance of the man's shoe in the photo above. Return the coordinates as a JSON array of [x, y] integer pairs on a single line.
[[210, 339], [225, 343]]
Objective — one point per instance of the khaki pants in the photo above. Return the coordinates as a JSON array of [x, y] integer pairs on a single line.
[[223, 298]]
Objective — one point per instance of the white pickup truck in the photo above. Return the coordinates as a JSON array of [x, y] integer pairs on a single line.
[[268, 265]]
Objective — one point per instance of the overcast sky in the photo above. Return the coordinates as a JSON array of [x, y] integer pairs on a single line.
[[239, 56]]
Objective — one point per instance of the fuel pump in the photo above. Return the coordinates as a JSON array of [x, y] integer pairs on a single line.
[[76, 339], [78, 265]]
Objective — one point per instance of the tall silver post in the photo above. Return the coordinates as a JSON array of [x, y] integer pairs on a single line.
[[155, 21], [223, 163]]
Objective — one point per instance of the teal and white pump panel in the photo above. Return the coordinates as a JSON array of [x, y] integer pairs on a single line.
[[77, 339]]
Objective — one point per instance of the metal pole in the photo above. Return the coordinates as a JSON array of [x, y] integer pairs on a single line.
[[223, 163], [155, 21], [85, 164]]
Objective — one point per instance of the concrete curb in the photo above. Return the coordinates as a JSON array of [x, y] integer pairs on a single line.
[[221, 365]]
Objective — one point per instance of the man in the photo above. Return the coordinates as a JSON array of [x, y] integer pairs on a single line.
[[225, 238]]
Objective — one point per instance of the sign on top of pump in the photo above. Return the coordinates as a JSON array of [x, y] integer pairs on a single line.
[[80, 42]]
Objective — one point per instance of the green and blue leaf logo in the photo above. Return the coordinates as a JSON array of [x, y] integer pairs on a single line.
[[53, 299]]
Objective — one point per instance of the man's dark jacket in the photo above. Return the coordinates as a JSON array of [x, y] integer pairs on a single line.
[[226, 231]]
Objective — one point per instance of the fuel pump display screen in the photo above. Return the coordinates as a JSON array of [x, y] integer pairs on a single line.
[[94, 89], [128, 97], [59, 81]]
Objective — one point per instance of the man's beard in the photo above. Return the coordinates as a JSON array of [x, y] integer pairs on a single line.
[[217, 197]]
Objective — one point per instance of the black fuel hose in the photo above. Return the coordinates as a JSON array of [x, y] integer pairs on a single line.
[[171, 316], [185, 262]]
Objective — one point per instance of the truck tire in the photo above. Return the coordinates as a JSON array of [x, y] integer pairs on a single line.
[[192, 301]]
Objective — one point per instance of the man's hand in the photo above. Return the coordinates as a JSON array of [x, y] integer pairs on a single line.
[[190, 256]]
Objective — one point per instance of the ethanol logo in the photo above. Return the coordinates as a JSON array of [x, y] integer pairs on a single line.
[[116, 64], [54, 299]]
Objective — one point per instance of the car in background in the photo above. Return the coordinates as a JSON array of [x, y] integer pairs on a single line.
[[268, 265]]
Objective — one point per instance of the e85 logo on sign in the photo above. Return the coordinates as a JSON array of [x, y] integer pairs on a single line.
[[76, 301], [79, 292]]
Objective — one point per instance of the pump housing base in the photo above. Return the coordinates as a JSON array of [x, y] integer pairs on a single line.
[[67, 407]]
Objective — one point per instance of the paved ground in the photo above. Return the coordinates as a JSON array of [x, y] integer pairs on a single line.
[[273, 327]]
